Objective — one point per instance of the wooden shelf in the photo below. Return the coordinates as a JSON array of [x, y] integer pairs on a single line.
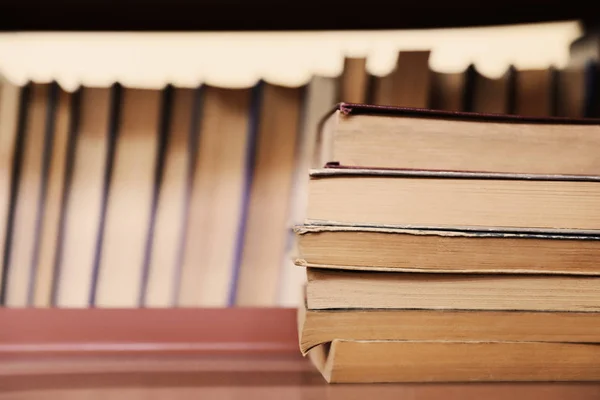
[[249, 353], [100, 332], [214, 15], [237, 377]]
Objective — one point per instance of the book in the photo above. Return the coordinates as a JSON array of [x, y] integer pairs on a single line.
[[445, 251], [267, 226], [77, 250], [489, 95], [166, 244], [385, 361], [338, 289], [318, 327], [129, 201], [354, 82], [10, 98], [407, 198], [534, 92], [572, 92], [408, 84], [392, 137], [24, 244], [218, 195], [448, 91], [57, 152]]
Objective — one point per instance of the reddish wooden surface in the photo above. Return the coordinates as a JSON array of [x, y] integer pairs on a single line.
[[194, 353], [37, 332], [236, 377]]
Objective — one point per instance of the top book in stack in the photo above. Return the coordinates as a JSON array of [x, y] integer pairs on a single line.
[[455, 170]]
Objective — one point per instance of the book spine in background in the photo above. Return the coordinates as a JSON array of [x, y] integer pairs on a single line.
[[217, 198], [192, 140], [469, 88], [83, 197], [510, 76], [447, 90], [250, 160], [166, 244], [13, 109], [72, 140], [114, 122], [354, 81], [53, 175], [163, 143], [24, 232], [130, 200], [268, 215], [50, 130], [554, 91]]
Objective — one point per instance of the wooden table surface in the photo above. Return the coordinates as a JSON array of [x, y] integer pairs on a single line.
[[233, 377], [51, 354]]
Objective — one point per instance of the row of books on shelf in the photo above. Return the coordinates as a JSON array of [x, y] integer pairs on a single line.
[[128, 197], [572, 91], [124, 197], [452, 247]]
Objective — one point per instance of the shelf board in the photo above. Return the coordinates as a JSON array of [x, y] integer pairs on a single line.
[[55, 332]]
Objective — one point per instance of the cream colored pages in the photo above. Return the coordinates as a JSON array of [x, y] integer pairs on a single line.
[[84, 200], [129, 201], [436, 251], [171, 207], [438, 201], [463, 145], [22, 252], [319, 327], [217, 196], [333, 289], [460, 361]]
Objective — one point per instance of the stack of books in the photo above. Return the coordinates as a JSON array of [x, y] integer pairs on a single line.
[[452, 246]]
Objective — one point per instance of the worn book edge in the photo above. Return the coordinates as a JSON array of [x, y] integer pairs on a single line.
[[545, 232], [324, 357], [317, 228], [300, 262], [334, 169], [351, 109]]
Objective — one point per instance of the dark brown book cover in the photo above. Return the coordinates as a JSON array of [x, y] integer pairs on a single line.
[[369, 109]]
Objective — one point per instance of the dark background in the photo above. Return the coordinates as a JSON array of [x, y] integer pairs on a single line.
[[228, 15]]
